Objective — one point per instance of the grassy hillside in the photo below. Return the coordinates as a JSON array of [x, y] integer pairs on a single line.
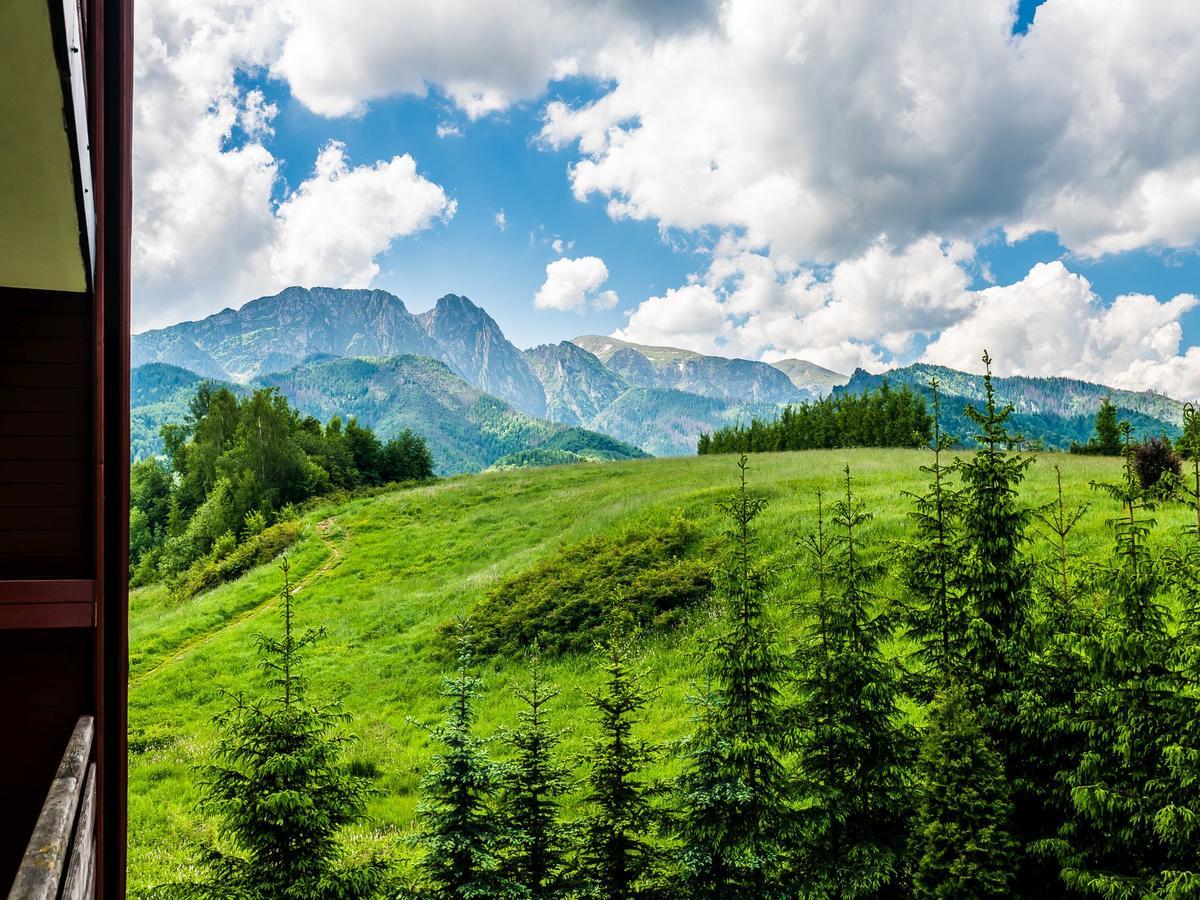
[[382, 574]]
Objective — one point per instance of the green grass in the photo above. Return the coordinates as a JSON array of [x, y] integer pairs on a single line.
[[382, 573]]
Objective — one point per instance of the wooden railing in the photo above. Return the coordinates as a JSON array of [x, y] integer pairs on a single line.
[[60, 861]]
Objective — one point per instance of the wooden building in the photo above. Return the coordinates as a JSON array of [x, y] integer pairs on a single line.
[[65, 200]]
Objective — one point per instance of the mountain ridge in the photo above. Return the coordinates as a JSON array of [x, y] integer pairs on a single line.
[[657, 397]]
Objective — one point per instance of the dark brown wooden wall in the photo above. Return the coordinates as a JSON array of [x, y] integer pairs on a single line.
[[53, 669], [46, 461]]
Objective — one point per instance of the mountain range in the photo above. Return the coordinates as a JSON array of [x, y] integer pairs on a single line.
[[451, 374]]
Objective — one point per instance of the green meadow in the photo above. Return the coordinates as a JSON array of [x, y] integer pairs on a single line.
[[382, 574]]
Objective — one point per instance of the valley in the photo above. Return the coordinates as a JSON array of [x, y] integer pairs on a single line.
[[450, 374], [384, 573]]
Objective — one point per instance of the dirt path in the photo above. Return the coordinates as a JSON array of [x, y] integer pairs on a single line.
[[187, 648]]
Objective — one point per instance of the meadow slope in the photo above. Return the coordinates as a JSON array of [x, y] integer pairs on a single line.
[[382, 573]]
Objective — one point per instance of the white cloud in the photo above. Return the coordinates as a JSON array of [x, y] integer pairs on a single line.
[[208, 232], [257, 115], [890, 307], [571, 284], [814, 127], [1052, 323], [557, 245], [334, 224], [485, 55], [448, 129], [501, 221], [865, 310]]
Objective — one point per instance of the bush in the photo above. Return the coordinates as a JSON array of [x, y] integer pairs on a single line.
[[262, 548], [1153, 459], [563, 602]]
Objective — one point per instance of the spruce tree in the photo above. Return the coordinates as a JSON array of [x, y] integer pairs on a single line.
[[1055, 673], [534, 783], [734, 789], [460, 836], [1114, 845], [996, 585], [963, 844], [934, 614], [281, 791], [617, 860], [855, 749], [1178, 821], [1108, 429], [994, 573]]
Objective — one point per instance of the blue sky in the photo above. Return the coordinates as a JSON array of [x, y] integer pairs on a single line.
[[909, 185], [496, 164]]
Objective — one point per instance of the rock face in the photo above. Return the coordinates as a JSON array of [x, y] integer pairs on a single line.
[[716, 377], [577, 385], [471, 343], [808, 376], [273, 334]]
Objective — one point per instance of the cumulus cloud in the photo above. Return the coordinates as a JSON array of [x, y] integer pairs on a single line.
[[501, 220], [331, 228], [484, 54], [211, 225], [573, 284], [814, 127], [1052, 323], [448, 129], [891, 307], [864, 311]]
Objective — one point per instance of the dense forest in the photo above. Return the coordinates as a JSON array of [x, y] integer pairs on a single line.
[[1004, 725], [874, 418], [232, 469]]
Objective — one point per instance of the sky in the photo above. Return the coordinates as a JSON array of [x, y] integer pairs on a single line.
[[853, 183]]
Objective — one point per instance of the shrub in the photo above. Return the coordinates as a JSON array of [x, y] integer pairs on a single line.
[[262, 548], [562, 602], [1153, 459]]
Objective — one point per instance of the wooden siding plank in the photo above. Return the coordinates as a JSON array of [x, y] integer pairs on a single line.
[[48, 590], [39, 398], [43, 471], [44, 518], [19, 496], [40, 424], [22, 616]]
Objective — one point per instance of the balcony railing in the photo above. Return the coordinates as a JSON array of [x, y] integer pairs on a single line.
[[60, 861]]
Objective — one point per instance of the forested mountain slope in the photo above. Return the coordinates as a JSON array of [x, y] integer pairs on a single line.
[[1054, 411], [465, 428]]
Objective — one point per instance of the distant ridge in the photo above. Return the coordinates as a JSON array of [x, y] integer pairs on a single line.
[[658, 398]]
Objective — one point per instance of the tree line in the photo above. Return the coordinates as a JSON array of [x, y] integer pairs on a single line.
[[1037, 734], [874, 418], [233, 465]]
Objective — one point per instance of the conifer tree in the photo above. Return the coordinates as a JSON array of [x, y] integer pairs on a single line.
[[963, 844], [1114, 845], [534, 782], [1056, 670], [995, 577], [855, 751], [996, 584], [1108, 429], [617, 860], [281, 791], [734, 789], [1178, 822], [460, 836], [935, 615]]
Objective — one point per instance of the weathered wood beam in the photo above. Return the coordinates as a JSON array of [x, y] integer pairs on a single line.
[[41, 870], [81, 866]]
